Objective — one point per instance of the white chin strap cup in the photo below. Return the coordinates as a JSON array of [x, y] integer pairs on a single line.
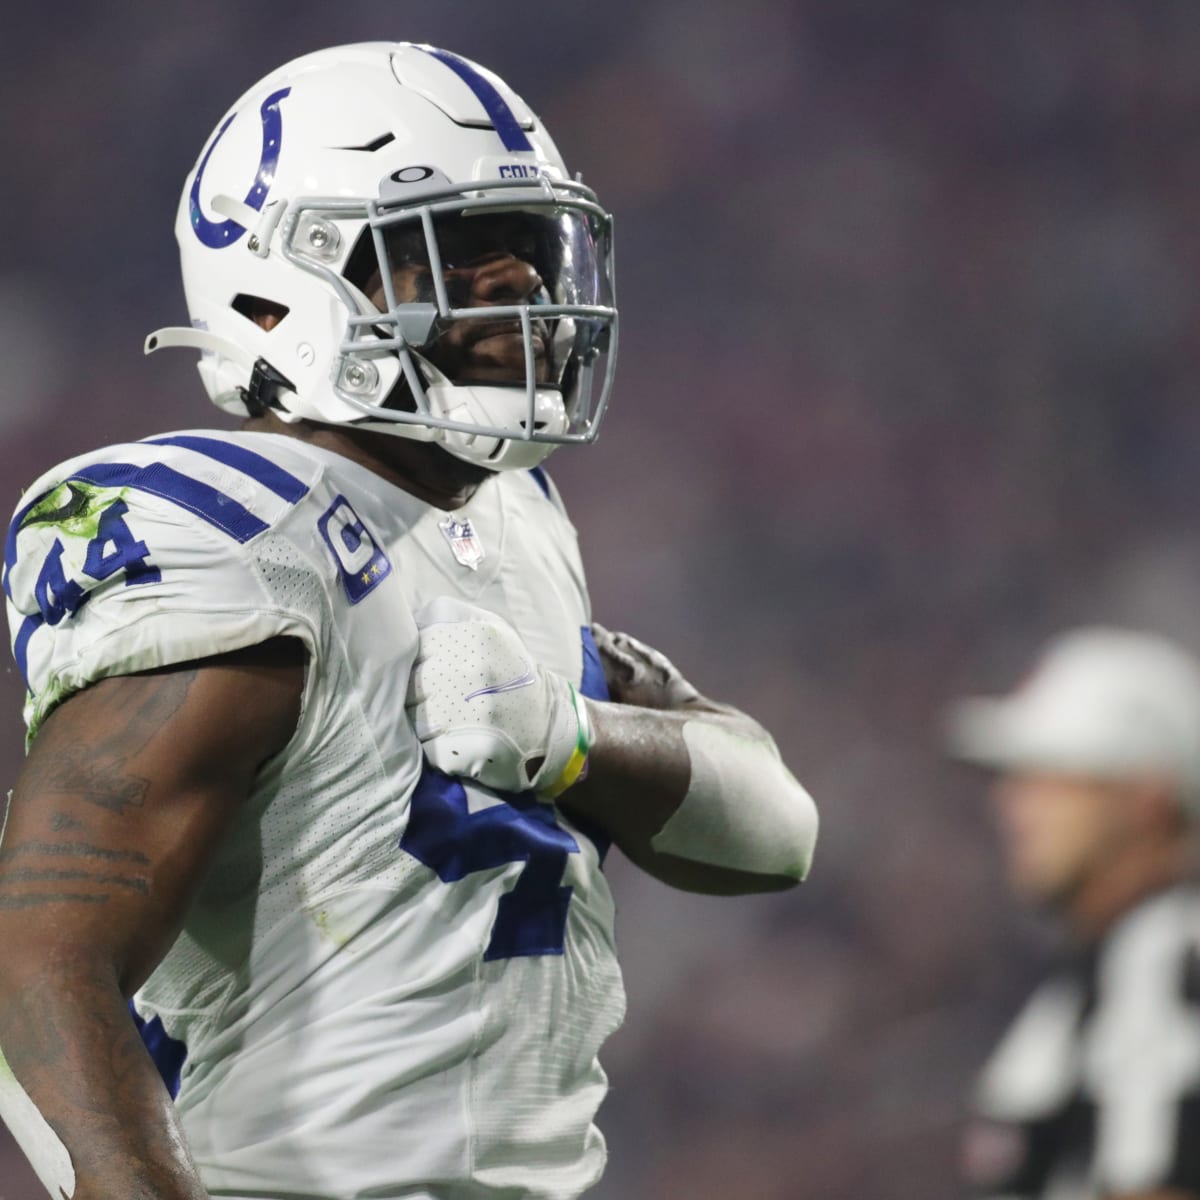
[[498, 408]]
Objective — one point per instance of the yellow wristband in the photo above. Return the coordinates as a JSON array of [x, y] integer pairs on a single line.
[[576, 766]]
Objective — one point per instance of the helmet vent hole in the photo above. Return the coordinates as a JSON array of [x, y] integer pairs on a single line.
[[260, 310], [384, 139]]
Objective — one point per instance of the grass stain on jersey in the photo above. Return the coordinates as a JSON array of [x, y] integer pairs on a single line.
[[335, 932], [75, 508]]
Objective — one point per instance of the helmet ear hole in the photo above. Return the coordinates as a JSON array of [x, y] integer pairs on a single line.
[[264, 312]]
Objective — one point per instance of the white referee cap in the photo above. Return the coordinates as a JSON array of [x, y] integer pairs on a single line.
[[1107, 703]]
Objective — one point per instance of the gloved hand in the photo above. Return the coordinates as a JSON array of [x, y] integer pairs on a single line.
[[484, 709]]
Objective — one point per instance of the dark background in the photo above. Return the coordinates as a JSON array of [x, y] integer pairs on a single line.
[[910, 347]]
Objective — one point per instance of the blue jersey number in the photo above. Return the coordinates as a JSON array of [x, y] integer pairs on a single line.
[[114, 548], [454, 842]]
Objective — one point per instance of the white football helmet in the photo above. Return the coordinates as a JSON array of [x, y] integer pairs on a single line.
[[355, 191]]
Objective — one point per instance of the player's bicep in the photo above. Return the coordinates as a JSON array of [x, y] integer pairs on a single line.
[[126, 793]]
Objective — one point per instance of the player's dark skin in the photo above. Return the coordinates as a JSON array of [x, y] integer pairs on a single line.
[[132, 783]]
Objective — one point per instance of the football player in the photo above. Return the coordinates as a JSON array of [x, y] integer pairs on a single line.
[[1094, 1093], [325, 752]]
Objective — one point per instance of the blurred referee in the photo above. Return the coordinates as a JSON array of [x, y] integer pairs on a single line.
[[1094, 1092]]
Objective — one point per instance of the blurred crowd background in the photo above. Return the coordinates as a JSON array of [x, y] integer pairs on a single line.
[[910, 350]]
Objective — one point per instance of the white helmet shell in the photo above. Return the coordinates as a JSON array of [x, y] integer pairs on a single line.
[[310, 173]]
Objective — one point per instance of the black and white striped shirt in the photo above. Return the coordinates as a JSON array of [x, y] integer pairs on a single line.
[[1095, 1088]]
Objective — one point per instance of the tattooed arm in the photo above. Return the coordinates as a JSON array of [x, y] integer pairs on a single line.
[[124, 798]]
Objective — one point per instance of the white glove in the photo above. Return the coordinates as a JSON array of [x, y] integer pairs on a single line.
[[483, 708]]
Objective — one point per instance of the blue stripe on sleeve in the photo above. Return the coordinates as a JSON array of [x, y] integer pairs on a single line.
[[219, 510], [284, 484], [29, 627], [10, 542], [501, 116]]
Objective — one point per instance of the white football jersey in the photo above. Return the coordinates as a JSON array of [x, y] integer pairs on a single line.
[[393, 983]]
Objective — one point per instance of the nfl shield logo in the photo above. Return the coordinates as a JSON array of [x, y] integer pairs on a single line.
[[466, 546]]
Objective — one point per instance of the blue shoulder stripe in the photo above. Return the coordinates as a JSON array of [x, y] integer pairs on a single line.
[[160, 480], [283, 483], [10, 542], [29, 627]]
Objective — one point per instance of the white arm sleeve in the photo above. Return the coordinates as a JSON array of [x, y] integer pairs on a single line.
[[743, 810]]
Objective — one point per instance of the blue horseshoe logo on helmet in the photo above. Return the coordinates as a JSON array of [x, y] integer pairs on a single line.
[[216, 234]]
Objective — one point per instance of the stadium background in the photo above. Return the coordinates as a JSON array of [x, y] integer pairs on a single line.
[[910, 347]]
